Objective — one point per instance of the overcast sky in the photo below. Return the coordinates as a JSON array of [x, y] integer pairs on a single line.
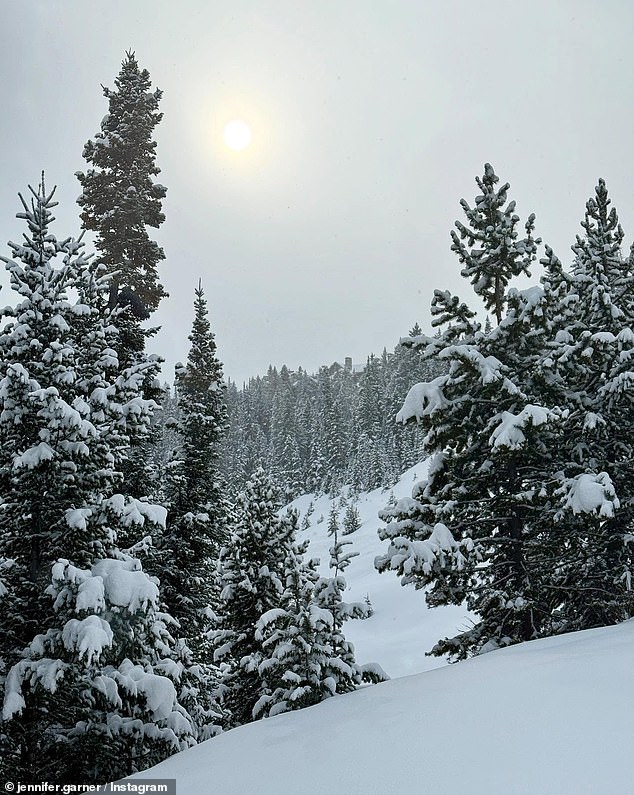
[[370, 120]]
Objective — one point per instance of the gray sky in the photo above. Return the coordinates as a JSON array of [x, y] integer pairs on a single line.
[[370, 121]]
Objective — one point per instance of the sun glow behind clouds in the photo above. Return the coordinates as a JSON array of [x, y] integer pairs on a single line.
[[267, 165], [237, 135]]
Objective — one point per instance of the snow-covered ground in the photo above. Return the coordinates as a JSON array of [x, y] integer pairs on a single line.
[[551, 717], [402, 628]]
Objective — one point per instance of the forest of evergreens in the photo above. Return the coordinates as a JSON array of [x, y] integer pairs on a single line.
[[153, 589]]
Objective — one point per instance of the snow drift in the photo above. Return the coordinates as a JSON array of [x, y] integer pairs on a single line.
[[551, 716]]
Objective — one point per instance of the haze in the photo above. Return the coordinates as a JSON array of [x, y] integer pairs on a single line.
[[370, 122]]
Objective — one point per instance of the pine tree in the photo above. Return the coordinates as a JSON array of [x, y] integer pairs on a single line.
[[351, 520], [249, 583], [120, 200], [196, 494], [499, 255], [306, 657], [341, 670], [333, 521], [294, 639], [331, 441], [71, 648], [588, 363], [470, 532]]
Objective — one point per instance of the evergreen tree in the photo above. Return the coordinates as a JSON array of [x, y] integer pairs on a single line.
[[470, 532], [196, 494], [589, 363], [488, 247], [340, 669], [249, 583], [351, 520], [120, 200], [306, 657], [294, 639], [331, 433], [78, 651], [333, 521]]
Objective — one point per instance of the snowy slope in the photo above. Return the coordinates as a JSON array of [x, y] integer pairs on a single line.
[[550, 717], [402, 628]]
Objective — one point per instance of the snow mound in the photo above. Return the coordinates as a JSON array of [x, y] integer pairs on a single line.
[[125, 584], [553, 716]]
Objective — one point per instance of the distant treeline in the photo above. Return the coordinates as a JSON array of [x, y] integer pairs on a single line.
[[317, 432]]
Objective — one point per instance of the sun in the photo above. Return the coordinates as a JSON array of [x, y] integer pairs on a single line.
[[237, 135]]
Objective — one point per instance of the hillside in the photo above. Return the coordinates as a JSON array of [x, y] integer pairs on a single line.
[[402, 628], [550, 717]]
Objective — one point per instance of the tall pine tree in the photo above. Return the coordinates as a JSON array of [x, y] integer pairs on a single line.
[[249, 583], [120, 199], [85, 651], [196, 494], [589, 364], [469, 531]]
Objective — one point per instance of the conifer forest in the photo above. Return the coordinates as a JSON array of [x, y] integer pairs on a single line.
[[156, 591]]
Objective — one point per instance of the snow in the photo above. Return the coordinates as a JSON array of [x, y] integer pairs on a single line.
[[13, 698], [34, 456], [402, 628], [554, 717], [91, 595], [603, 337], [58, 322], [422, 555], [489, 367], [125, 584], [588, 493], [135, 512], [88, 636], [422, 400], [46, 672], [76, 517], [159, 691], [509, 433], [531, 295]]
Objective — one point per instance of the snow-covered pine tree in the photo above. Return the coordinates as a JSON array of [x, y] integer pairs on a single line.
[[249, 583], [309, 512], [295, 638], [589, 363], [331, 433], [469, 530], [333, 521], [120, 200], [369, 460], [488, 246], [286, 463], [198, 510], [68, 646], [351, 519], [341, 671], [306, 657]]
